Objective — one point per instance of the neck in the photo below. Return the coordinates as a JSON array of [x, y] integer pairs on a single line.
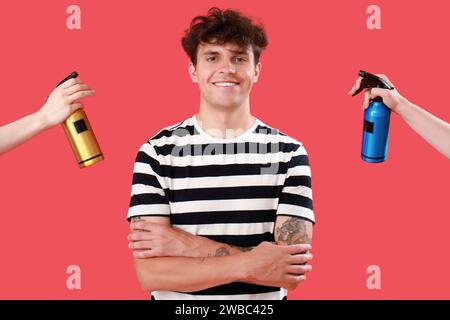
[[225, 122]]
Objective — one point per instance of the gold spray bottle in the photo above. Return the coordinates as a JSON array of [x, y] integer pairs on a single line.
[[81, 137]]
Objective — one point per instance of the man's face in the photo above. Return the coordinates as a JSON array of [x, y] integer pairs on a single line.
[[225, 74]]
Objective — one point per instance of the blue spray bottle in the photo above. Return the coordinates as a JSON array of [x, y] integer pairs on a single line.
[[376, 121]]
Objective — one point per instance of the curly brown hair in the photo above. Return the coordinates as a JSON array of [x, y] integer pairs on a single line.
[[224, 26]]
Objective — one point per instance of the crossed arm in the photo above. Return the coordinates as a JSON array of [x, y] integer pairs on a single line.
[[160, 250]]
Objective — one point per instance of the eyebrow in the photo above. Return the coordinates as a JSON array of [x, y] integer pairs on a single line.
[[212, 52]]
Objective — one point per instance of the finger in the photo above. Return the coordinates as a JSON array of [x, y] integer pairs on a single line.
[[145, 254], [299, 269], [295, 278], [141, 245], [141, 225], [141, 254], [140, 236], [70, 82], [75, 106], [80, 94], [76, 87], [144, 225], [383, 76], [378, 92], [298, 248], [300, 258], [366, 98], [356, 86], [133, 225]]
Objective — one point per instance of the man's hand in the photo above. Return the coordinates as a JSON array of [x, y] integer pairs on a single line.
[[63, 101], [391, 98], [148, 239], [284, 266]]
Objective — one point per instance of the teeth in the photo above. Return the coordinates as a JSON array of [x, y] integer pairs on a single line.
[[225, 84]]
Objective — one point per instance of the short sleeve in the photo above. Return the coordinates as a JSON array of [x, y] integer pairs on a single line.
[[296, 195], [148, 190]]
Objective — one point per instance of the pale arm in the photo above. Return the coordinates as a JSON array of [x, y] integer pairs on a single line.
[[20, 131], [62, 102], [434, 130]]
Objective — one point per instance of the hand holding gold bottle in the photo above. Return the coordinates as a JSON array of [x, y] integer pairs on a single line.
[[81, 136]]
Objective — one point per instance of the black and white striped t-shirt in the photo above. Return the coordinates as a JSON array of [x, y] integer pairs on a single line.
[[228, 190]]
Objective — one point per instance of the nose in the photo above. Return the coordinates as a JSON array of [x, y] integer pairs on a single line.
[[228, 67]]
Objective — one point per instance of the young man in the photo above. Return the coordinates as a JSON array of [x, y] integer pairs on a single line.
[[221, 204]]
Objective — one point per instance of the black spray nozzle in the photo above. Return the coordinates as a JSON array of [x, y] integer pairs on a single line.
[[70, 76], [372, 81]]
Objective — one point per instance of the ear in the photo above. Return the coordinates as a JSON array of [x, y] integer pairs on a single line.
[[257, 72], [193, 72]]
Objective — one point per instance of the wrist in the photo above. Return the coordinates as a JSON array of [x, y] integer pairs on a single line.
[[231, 267], [402, 106], [244, 272], [39, 120], [195, 249], [196, 246]]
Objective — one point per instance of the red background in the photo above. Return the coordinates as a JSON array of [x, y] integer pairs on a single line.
[[395, 214]]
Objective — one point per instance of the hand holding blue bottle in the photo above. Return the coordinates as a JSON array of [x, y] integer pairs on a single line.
[[391, 98], [434, 130]]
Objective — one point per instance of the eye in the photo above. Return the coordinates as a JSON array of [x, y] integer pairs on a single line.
[[210, 59], [240, 59]]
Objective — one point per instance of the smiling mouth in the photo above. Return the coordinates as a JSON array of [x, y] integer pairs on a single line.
[[225, 83]]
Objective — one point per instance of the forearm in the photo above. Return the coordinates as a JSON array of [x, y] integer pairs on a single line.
[[434, 130], [207, 248], [20, 131], [204, 247], [187, 274], [212, 248]]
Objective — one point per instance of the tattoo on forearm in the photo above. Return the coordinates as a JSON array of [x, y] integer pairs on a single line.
[[293, 231], [222, 251]]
